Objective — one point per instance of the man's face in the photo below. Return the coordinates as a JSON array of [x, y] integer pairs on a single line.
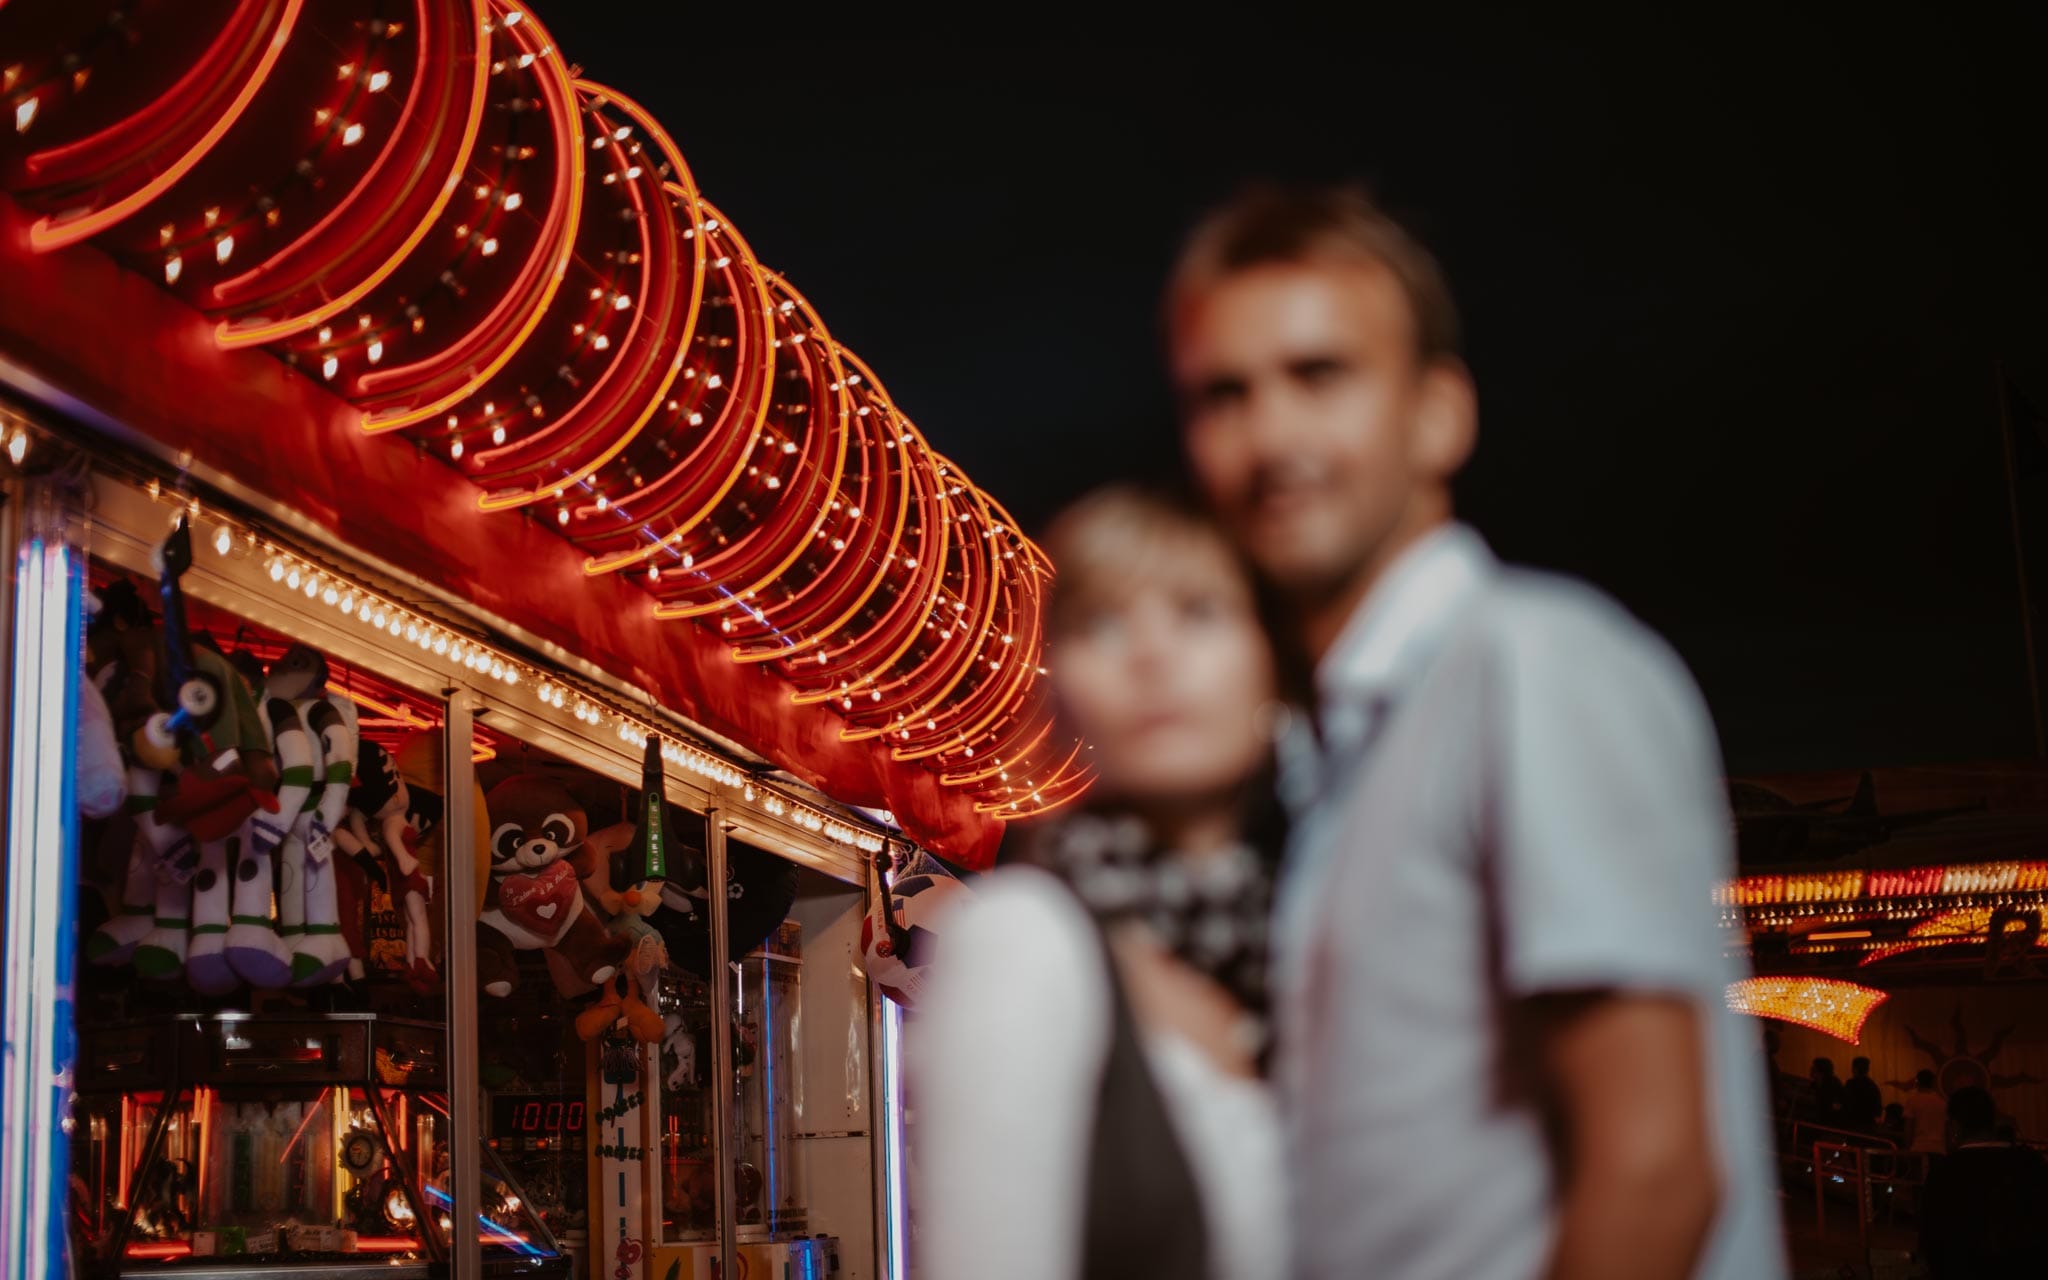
[[1306, 410]]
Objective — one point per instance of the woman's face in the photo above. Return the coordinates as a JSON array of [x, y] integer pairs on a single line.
[[1162, 667]]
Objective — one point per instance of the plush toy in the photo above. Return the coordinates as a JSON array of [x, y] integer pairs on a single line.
[[760, 888], [309, 912], [255, 948], [230, 780], [623, 998], [422, 763], [534, 901], [320, 949], [101, 774], [679, 1042], [384, 820], [124, 658], [159, 856], [896, 935]]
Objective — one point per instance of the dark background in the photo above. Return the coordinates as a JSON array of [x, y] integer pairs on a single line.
[[1735, 291]]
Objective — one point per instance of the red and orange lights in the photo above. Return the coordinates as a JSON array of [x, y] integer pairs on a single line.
[[423, 207]]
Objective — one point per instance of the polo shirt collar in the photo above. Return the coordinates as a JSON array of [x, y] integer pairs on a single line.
[[1405, 619]]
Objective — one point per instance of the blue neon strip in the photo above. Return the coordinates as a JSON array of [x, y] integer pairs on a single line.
[[507, 1238], [898, 1243], [771, 1035]]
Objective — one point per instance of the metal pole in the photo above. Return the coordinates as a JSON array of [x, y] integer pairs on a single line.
[[2019, 559], [722, 1154], [458, 891]]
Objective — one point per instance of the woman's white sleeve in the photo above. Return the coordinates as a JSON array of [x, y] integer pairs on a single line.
[[1005, 1066]]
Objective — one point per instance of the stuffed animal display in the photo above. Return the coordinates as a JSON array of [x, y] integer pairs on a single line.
[[387, 822], [534, 901], [903, 911]]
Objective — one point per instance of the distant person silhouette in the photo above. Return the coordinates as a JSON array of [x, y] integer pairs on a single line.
[[1926, 1118], [1983, 1210], [1862, 1104], [1827, 1092]]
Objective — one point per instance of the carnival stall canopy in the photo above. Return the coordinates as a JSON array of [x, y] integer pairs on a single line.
[[398, 266]]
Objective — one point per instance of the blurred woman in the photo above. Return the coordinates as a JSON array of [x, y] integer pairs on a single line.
[[1086, 1058]]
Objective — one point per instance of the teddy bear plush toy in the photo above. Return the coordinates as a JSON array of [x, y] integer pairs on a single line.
[[534, 900]]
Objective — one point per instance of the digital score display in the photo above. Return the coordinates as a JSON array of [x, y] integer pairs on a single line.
[[535, 1116]]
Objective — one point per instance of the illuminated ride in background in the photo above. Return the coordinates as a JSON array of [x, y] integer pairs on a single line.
[[510, 269]]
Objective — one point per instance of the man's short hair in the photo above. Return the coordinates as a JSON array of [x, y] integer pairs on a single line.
[[1270, 225], [1925, 1079], [1859, 1065]]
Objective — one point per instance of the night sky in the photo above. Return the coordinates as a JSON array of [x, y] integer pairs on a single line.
[[1734, 293]]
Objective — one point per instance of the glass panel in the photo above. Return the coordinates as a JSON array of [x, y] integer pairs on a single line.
[[596, 1090], [262, 1069], [802, 1114]]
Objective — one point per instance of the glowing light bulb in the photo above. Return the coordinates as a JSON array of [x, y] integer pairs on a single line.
[[376, 351], [25, 114], [223, 542], [455, 450], [513, 201], [330, 596], [498, 434], [621, 302], [223, 249], [174, 266], [654, 573], [329, 367], [351, 135], [379, 81], [490, 246], [277, 570], [562, 515]]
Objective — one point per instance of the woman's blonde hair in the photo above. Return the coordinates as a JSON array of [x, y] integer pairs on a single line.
[[1112, 535]]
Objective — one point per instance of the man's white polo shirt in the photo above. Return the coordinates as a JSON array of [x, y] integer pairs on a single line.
[[1517, 792]]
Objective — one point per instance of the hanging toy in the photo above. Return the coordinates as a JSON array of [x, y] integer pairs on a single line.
[[380, 823], [534, 901], [422, 764], [125, 655], [309, 910], [101, 776], [320, 949], [255, 948], [760, 889], [896, 935], [207, 970], [161, 857]]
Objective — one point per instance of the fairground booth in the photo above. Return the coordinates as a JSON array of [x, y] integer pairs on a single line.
[[492, 682], [1891, 916]]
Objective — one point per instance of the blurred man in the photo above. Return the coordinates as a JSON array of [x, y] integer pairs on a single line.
[[1504, 1042]]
